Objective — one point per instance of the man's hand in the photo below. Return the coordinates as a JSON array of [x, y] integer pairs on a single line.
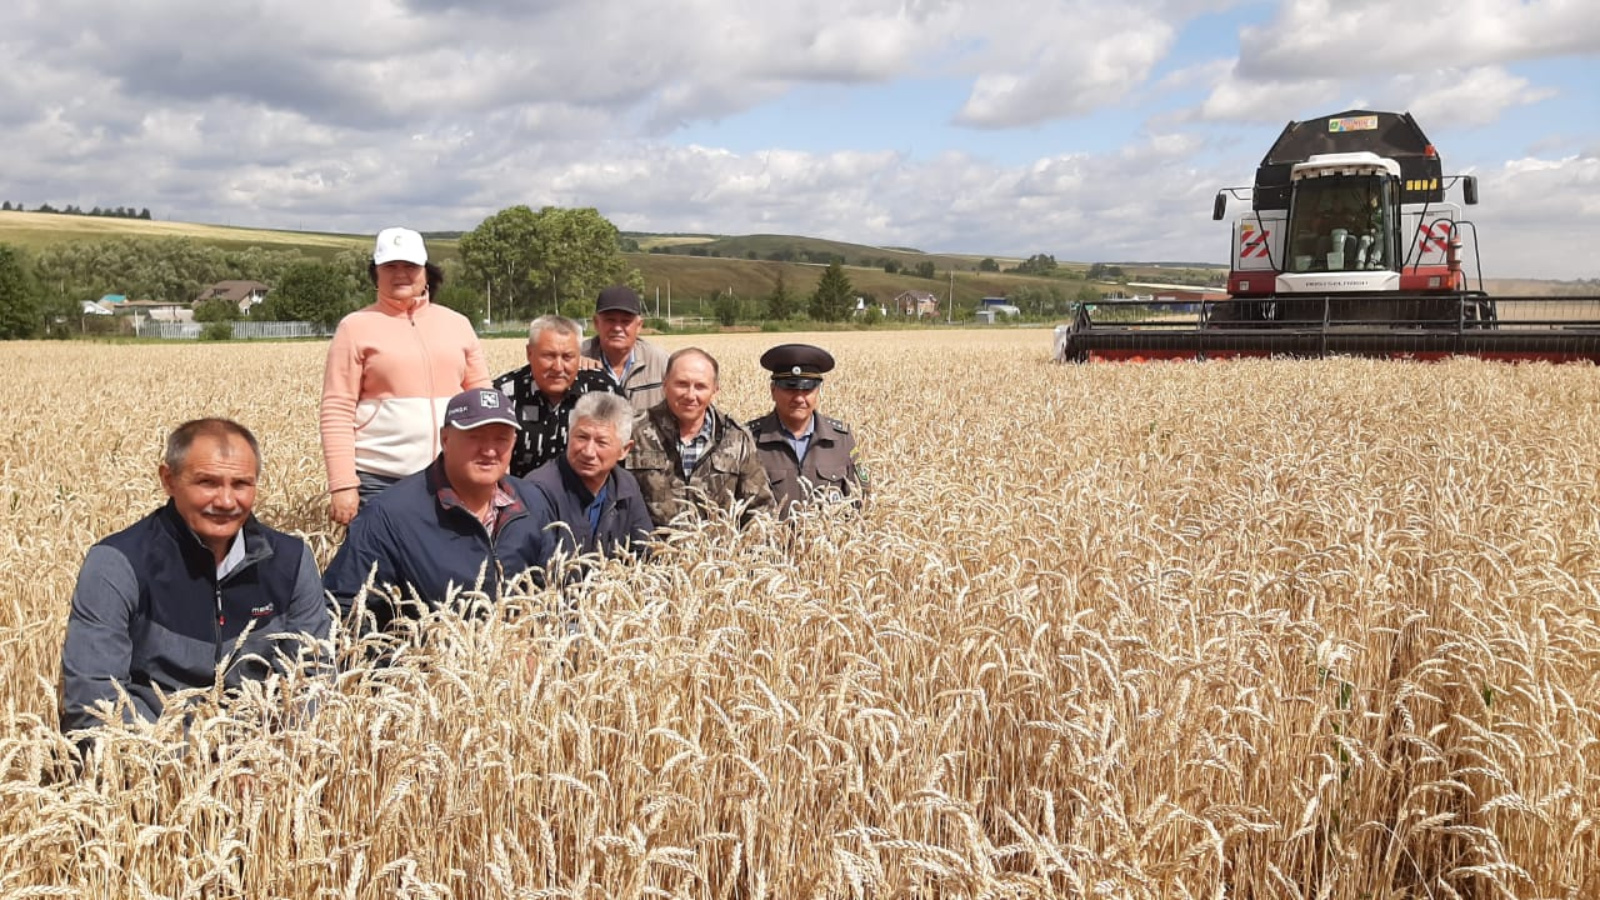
[[342, 505], [585, 362]]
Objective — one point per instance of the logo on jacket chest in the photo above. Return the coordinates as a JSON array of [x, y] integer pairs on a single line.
[[262, 611]]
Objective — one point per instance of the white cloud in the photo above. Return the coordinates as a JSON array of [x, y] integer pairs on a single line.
[[1538, 217], [1475, 97], [1060, 61], [1351, 38], [353, 115]]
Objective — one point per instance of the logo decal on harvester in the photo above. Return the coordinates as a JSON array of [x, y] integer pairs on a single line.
[[1352, 123]]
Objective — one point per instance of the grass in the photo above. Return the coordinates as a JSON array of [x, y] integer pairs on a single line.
[[1251, 629]]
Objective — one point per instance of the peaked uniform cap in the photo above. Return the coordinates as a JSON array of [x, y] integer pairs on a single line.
[[797, 367]]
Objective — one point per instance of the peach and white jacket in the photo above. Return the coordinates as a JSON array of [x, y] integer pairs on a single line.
[[390, 372]]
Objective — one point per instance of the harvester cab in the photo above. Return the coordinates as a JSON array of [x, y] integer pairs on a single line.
[[1350, 247], [1350, 203]]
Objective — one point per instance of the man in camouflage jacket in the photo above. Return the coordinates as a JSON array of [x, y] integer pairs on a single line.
[[690, 458]]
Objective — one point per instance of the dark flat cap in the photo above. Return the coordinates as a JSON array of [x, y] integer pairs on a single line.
[[618, 297], [799, 367]]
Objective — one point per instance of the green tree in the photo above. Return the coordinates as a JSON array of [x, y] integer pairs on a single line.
[[780, 303], [925, 269], [988, 265], [309, 291], [576, 255], [834, 296], [530, 262], [464, 299], [216, 309], [1037, 264], [726, 309], [500, 255], [19, 302], [217, 331], [892, 266]]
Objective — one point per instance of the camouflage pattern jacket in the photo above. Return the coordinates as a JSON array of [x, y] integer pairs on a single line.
[[828, 471], [728, 471]]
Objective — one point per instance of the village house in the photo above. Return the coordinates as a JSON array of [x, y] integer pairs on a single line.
[[243, 294], [917, 303]]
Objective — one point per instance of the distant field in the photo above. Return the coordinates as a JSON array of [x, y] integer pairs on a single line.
[[30, 229]]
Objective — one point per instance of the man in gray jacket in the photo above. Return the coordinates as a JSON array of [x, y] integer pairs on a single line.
[[195, 585], [636, 366]]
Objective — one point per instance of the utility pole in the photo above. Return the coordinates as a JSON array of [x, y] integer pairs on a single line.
[[950, 299]]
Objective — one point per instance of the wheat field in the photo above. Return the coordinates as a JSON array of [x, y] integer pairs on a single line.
[[1258, 629]]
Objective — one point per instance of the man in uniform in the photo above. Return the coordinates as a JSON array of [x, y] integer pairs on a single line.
[[804, 453], [634, 364], [688, 456], [544, 392]]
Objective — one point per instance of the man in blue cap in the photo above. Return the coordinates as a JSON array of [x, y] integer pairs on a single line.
[[807, 455], [460, 520]]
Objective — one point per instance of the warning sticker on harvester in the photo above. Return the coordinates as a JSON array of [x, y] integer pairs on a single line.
[[1353, 123]]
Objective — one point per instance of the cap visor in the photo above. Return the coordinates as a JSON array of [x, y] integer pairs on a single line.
[[468, 426]]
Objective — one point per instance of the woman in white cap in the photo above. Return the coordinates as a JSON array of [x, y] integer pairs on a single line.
[[391, 369]]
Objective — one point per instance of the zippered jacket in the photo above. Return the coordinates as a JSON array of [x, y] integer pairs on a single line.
[[624, 522], [423, 542], [148, 613], [390, 372]]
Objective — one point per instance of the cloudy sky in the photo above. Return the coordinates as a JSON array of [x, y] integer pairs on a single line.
[[1089, 129]]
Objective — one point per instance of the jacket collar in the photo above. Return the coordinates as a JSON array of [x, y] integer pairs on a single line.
[[195, 551], [575, 485], [447, 498], [390, 308]]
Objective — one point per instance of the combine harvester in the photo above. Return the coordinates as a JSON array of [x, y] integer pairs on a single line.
[[1348, 249]]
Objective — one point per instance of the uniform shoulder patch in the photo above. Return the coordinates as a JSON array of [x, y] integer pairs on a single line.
[[837, 425]]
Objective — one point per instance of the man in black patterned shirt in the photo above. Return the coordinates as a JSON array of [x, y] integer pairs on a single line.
[[544, 391]]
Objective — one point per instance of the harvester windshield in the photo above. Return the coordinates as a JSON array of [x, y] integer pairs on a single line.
[[1341, 223]]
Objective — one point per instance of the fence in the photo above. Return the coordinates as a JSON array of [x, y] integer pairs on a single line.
[[242, 331]]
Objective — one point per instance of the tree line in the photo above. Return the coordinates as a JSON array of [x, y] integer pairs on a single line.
[[119, 212], [516, 264]]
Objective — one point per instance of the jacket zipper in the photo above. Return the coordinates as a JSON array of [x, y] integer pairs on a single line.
[[427, 367]]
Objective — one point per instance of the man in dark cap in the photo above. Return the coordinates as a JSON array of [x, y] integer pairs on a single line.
[[805, 454], [443, 529], [635, 365]]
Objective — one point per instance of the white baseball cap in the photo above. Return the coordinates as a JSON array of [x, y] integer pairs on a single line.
[[399, 244]]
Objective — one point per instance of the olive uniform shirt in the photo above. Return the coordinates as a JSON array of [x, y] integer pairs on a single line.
[[829, 468]]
